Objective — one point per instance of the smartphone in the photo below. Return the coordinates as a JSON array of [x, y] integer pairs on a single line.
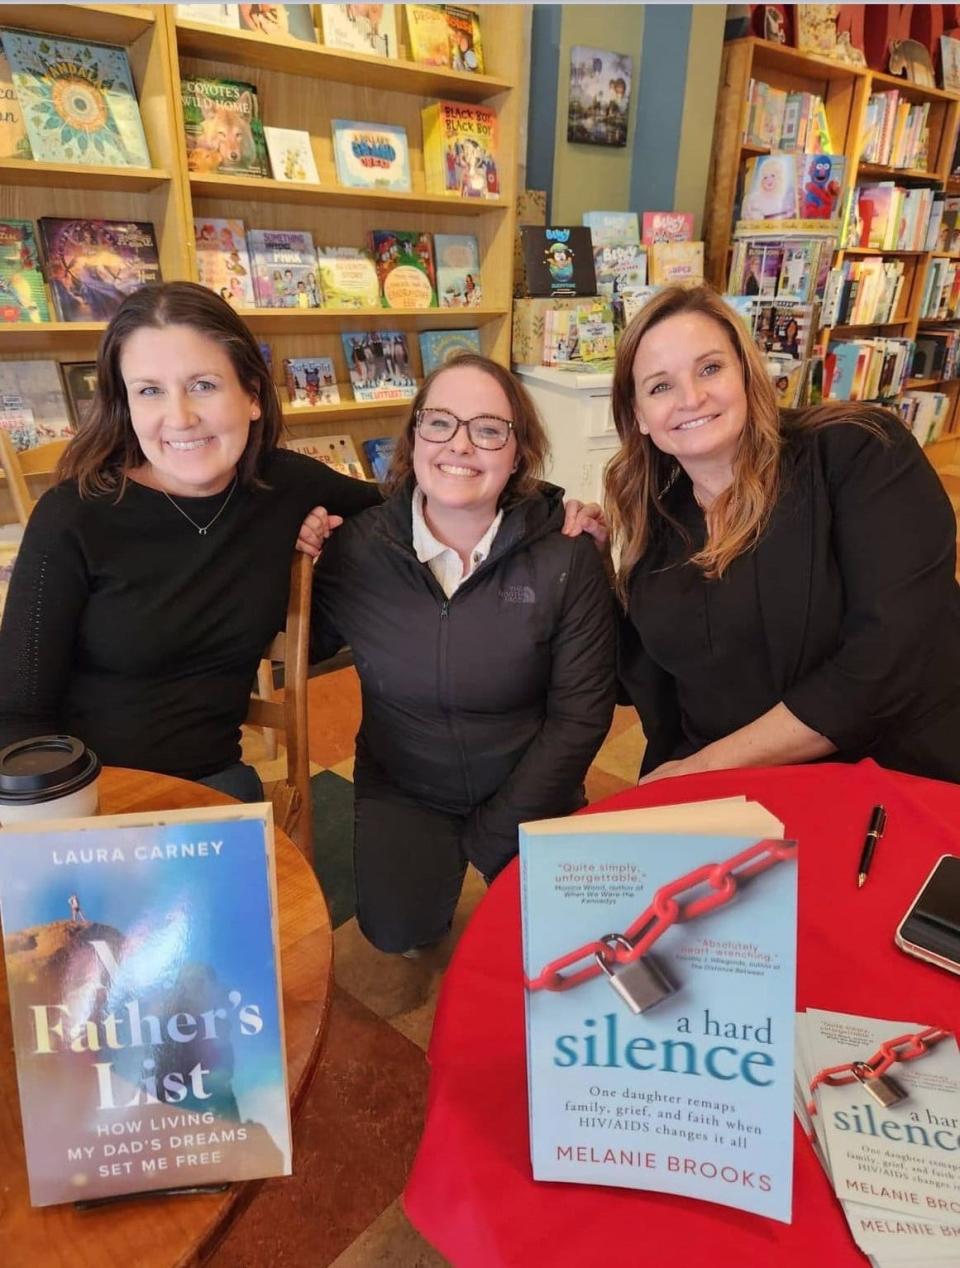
[[931, 928]]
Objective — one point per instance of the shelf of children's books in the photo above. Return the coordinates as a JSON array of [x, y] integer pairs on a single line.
[[343, 411], [909, 91], [295, 321], [213, 185], [22, 172], [768, 55], [365, 70], [869, 325], [20, 336], [113, 23], [879, 251], [920, 175]]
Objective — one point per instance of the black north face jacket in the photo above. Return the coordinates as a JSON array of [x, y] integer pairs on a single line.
[[493, 703]]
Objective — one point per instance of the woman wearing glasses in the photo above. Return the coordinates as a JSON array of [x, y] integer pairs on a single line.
[[483, 639]]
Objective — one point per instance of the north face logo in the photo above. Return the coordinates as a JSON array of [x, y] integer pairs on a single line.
[[517, 594]]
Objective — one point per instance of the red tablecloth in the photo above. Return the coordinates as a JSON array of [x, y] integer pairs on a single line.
[[471, 1192]]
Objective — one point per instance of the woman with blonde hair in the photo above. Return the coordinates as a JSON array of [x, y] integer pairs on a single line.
[[787, 579]]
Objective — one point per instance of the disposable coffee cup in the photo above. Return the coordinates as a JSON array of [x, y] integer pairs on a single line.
[[47, 777]]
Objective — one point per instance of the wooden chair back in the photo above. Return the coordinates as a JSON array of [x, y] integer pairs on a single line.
[[291, 797], [21, 466]]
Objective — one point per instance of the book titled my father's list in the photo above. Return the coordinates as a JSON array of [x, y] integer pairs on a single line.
[[144, 985], [660, 955]]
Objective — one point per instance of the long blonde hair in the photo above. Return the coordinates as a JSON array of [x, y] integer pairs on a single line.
[[638, 477]]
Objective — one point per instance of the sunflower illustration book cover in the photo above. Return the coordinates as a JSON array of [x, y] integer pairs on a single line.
[[78, 101], [143, 973]]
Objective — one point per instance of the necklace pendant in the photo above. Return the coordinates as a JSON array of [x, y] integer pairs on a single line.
[[203, 531]]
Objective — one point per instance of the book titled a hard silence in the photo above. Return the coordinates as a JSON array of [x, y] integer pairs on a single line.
[[666, 1066], [143, 972]]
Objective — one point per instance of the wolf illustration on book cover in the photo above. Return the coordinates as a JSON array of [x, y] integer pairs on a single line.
[[145, 1004]]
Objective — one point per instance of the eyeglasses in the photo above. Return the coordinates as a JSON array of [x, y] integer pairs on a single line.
[[486, 431]]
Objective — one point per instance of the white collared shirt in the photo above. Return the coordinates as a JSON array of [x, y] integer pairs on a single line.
[[443, 561]]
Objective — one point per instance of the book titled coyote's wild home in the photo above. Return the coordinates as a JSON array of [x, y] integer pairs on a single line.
[[143, 974]]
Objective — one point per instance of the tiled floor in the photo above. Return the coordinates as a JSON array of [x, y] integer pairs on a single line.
[[356, 1137]]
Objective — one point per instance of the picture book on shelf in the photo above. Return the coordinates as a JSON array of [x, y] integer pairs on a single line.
[[667, 226], [290, 21], [379, 453], [291, 155], [430, 34], [348, 278], [310, 381], [466, 48], [93, 265], [458, 270], [80, 380], [612, 228], [223, 264], [221, 118], [460, 149], [33, 409], [666, 1066], [379, 365], [405, 267], [338, 452], [78, 101], [619, 268], [226, 15], [165, 956], [437, 347], [557, 260], [23, 296], [284, 267], [676, 262], [360, 28], [371, 155], [14, 142]]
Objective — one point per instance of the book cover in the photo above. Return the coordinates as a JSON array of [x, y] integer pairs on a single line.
[[223, 263], [429, 34], [14, 142], [667, 226], [405, 267], [348, 278], [671, 1069], [466, 48], [145, 1001], [291, 155], [437, 347], [379, 452], [33, 409], [371, 155], [23, 296], [676, 262], [558, 260], [310, 381], [226, 15], [284, 267], [612, 228], [458, 270], [80, 380], [379, 365], [460, 150], [291, 21], [338, 452], [78, 101], [770, 188], [93, 265], [784, 327], [360, 28], [619, 268], [821, 183], [221, 119]]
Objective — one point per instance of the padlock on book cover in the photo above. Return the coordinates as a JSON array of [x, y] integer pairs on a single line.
[[884, 1090], [640, 983]]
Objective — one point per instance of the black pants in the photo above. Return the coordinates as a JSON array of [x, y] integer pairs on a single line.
[[409, 870]]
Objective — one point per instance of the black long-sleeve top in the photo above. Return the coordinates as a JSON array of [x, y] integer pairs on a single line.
[[127, 628]]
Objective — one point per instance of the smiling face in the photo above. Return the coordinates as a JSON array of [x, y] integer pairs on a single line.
[[190, 413], [689, 391], [455, 475]]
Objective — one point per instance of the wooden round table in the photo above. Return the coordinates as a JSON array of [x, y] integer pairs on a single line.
[[167, 1232]]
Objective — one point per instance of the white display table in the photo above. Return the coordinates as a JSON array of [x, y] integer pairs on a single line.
[[576, 412]]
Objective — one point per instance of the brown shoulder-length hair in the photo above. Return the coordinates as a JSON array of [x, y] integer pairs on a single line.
[[105, 449], [639, 475], [532, 445]]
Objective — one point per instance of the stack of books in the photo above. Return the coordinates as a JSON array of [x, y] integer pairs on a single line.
[[888, 1144], [924, 413], [941, 291], [866, 369], [863, 292], [786, 120], [888, 217], [895, 131]]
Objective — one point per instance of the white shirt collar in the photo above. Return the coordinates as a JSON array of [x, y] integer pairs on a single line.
[[429, 551]]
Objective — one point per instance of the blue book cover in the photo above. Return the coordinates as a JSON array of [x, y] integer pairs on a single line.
[[379, 365], [371, 155], [692, 1095], [379, 453], [144, 987], [842, 358], [438, 346], [612, 228]]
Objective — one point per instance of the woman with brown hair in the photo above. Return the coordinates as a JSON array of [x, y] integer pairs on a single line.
[[152, 577], [788, 581], [483, 638]]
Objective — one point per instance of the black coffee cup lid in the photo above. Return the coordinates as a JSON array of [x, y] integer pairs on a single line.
[[44, 768]]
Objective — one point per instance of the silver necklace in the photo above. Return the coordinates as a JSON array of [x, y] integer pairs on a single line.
[[202, 529]]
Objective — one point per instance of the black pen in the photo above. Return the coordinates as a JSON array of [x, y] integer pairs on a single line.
[[878, 822]]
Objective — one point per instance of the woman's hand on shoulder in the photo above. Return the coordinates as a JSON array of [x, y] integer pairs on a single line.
[[315, 530], [586, 517]]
